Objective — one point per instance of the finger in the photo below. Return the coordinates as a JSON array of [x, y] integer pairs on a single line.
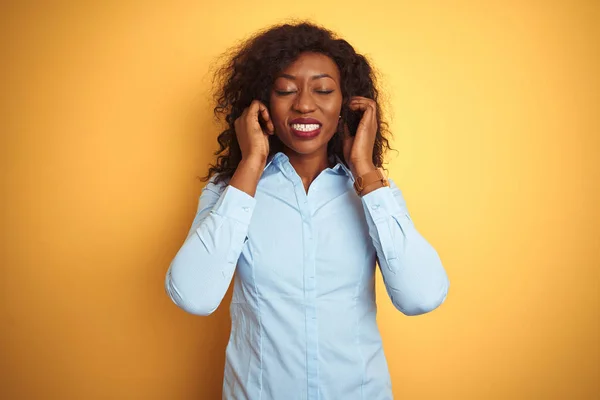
[[264, 113], [361, 98], [360, 107], [362, 104], [367, 117], [368, 111], [253, 110], [258, 110], [242, 117], [372, 113]]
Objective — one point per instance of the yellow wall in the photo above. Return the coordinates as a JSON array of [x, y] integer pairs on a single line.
[[105, 125]]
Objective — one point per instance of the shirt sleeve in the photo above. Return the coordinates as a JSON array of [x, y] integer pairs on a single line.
[[200, 274], [412, 271]]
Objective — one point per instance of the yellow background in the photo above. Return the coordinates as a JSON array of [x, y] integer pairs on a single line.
[[106, 125]]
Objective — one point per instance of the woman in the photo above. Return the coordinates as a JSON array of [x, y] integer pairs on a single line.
[[284, 211]]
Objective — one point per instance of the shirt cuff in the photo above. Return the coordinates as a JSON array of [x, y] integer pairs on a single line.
[[381, 203], [235, 204]]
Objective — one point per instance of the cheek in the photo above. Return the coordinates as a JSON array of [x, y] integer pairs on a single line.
[[333, 111], [277, 113], [333, 108]]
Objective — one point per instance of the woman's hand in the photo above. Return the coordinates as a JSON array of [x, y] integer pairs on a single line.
[[253, 139], [358, 149]]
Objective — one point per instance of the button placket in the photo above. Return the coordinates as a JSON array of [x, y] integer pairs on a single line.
[[311, 320]]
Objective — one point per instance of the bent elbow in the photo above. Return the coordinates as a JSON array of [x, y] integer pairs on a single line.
[[188, 305], [424, 303], [201, 310], [196, 305]]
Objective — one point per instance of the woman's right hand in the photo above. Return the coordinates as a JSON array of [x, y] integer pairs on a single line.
[[253, 139]]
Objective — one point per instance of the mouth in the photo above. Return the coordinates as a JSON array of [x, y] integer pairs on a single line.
[[305, 128]]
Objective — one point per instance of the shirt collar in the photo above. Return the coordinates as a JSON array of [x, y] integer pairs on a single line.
[[279, 158]]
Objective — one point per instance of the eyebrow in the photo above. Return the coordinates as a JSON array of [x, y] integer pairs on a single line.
[[312, 78]]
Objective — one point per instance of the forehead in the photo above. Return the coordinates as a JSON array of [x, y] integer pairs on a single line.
[[309, 64]]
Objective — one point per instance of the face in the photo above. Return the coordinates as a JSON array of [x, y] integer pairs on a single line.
[[305, 104]]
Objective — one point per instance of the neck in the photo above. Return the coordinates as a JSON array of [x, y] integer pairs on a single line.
[[308, 166]]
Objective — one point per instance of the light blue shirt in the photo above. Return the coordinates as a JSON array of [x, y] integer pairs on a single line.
[[303, 311]]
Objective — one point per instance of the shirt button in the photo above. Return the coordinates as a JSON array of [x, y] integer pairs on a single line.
[[246, 209], [375, 206]]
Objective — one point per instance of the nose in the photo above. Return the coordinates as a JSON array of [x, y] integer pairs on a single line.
[[304, 102]]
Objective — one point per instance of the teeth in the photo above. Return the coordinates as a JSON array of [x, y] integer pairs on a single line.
[[305, 127]]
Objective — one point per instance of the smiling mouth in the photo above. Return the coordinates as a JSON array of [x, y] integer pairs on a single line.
[[306, 130], [306, 127]]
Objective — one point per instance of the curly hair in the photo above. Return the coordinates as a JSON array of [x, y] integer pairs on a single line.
[[249, 73]]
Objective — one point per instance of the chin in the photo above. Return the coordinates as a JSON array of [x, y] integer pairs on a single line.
[[304, 147]]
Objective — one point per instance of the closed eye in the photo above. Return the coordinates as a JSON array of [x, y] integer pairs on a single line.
[[288, 92]]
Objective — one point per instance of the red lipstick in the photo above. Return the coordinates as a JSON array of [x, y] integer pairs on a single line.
[[306, 128]]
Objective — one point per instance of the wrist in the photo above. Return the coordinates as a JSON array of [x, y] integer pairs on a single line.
[[361, 168], [372, 187], [256, 161], [366, 182]]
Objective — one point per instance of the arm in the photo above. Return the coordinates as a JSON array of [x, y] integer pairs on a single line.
[[412, 271], [201, 271]]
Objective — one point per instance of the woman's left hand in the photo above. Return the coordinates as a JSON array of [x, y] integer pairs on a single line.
[[358, 149]]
